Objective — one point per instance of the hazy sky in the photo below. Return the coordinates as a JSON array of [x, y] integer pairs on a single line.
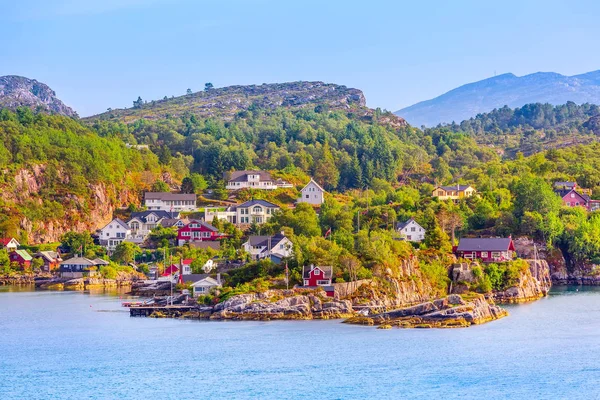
[[104, 53]]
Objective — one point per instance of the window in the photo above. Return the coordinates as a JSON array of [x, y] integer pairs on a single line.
[[205, 234], [413, 229], [322, 282], [307, 196], [484, 254], [107, 234], [409, 237], [257, 210], [572, 195], [317, 272], [495, 254]]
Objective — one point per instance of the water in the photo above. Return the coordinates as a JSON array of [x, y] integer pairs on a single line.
[[69, 345]]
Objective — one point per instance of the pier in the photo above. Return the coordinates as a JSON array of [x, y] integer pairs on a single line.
[[145, 311]]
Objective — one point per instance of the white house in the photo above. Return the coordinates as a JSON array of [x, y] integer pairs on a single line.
[[252, 180], [312, 193], [255, 211], [114, 233], [275, 247], [202, 283], [411, 230], [142, 223], [10, 244], [228, 214], [170, 202]]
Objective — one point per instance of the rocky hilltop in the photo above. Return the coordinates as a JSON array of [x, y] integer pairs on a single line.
[[16, 91], [227, 102]]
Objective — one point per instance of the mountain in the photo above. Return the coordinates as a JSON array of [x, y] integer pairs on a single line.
[[226, 102], [469, 100], [18, 91]]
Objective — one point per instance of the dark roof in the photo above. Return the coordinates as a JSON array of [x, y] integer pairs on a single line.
[[402, 225], [169, 196], [50, 256], [263, 241], [78, 261], [327, 269], [143, 215], [485, 244], [118, 221], [565, 192], [263, 203], [454, 187], [194, 277], [242, 176], [169, 222], [206, 244]]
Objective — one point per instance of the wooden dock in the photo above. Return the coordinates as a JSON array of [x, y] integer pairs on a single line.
[[145, 311]]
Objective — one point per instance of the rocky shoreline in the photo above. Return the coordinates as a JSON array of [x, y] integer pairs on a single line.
[[453, 311]]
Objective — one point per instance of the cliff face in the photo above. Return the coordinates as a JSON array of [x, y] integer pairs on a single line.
[[533, 284], [561, 271], [80, 213], [18, 91]]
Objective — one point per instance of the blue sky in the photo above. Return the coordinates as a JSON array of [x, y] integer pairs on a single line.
[[104, 53]]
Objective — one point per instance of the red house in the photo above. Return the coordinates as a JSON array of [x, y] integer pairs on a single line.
[[173, 269], [486, 249], [197, 231], [20, 257], [318, 277]]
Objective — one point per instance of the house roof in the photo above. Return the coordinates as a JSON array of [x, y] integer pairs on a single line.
[[565, 192], [172, 269], [566, 184], [242, 176], [201, 223], [5, 241], [326, 269], [485, 244], [118, 221], [48, 255], [169, 196], [143, 215], [263, 241], [206, 280], [78, 261], [99, 261], [24, 255], [169, 222], [402, 225], [206, 244], [460, 188], [263, 203], [315, 182]]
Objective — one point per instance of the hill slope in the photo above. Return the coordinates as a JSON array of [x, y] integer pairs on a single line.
[[18, 91], [226, 102], [469, 100]]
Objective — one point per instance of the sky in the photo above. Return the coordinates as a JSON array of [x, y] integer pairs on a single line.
[[98, 54]]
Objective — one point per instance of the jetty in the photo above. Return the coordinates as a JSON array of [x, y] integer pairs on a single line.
[[146, 311]]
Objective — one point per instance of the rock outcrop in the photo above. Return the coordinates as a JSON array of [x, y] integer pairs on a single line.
[[277, 304], [452, 311], [533, 284], [16, 91]]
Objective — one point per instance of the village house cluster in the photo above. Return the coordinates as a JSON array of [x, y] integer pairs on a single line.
[[194, 227]]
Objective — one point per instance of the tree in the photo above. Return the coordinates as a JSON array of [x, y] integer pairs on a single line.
[[160, 186], [326, 173], [187, 185], [164, 156], [74, 242], [189, 92], [125, 252], [208, 86], [37, 263], [535, 194], [138, 103]]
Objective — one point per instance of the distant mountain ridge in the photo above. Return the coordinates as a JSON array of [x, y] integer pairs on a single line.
[[508, 89], [16, 91]]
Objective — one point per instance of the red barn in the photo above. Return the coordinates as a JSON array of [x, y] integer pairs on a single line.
[[20, 257], [197, 231], [486, 249], [314, 276]]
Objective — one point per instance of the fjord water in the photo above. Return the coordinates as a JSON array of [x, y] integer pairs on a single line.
[[69, 345]]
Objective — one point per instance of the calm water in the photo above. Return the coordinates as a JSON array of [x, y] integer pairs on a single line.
[[66, 345]]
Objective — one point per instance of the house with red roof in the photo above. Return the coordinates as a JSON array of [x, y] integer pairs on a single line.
[[10, 244], [197, 231], [184, 265]]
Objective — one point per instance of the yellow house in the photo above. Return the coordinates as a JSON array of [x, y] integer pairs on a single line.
[[454, 192]]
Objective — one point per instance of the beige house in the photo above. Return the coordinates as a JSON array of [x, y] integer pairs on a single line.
[[454, 192]]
